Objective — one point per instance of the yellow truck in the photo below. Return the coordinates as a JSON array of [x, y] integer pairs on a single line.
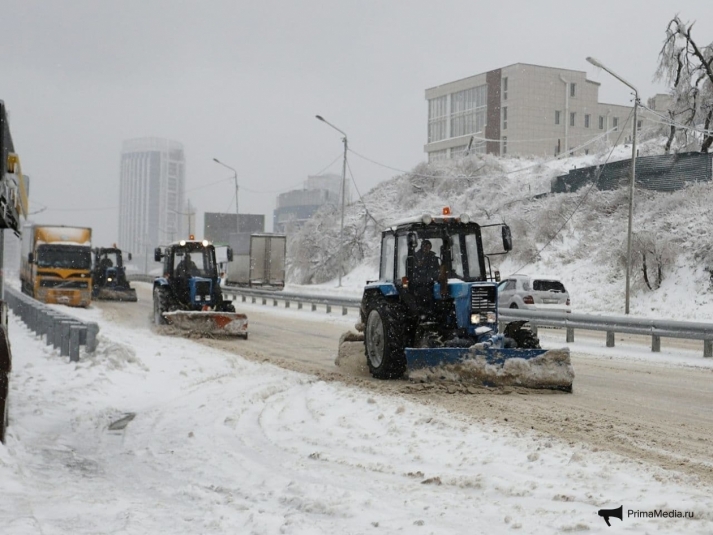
[[57, 264]]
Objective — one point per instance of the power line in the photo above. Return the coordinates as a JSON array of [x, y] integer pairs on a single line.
[[581, 201], [331, 164], [559, 156], [670, 122], [49, 209], [211, 184], [379, 223]]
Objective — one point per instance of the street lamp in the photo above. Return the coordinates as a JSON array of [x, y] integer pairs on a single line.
[[344, 194], [633, 174], [235, 175]]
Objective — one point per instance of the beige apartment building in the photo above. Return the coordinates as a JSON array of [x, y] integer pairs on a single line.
[[523, 110]]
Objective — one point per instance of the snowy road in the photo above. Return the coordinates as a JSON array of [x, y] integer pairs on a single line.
[[657, 411], [224, 445]]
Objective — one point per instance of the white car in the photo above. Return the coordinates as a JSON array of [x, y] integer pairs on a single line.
[[533, 293]]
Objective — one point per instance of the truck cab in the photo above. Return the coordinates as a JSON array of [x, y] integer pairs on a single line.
[[56, 264]]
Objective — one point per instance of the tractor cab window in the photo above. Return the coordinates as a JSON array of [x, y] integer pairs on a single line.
[[108, 260], [471, 251], [115, 258], [403, 252], [465, 260], [456, 258], [427, 259], [387, 258], [193, 263]]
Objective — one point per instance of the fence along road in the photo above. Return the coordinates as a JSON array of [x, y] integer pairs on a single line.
[[62, 331]]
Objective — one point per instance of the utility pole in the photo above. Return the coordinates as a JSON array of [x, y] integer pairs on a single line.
[[632, 178], [344, 194], [235, 176]]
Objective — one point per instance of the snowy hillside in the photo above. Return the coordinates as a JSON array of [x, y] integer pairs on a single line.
[[580, 236]]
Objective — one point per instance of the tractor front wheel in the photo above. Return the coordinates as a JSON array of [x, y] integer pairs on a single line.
[[160, 305], [383, 342], [522, 334]]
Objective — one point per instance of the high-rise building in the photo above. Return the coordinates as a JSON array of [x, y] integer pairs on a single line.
[[151, 196]]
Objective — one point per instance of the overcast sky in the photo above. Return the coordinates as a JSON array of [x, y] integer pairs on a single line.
[[242, 81]]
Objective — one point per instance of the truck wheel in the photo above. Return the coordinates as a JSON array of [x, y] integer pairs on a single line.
[[160, 305], [383, 342]]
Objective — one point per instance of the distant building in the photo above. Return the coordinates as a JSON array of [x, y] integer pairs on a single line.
[[219, 227], [297, 206], [523, 110], [661, 103], [151, 196]]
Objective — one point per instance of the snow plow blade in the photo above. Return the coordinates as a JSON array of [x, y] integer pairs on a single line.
[[209, 322], [107, 294], [528, 368]]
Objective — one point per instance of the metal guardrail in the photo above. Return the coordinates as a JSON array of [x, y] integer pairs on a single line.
[[140, 277], [64, 332], [656, 328], [276, 296]]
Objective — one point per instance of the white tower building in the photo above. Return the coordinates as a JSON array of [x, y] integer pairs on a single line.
[[151, 197]]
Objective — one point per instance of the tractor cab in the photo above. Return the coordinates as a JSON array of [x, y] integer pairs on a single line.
[[436, 264], [191, 272], [193, 259], [409, 247], [188, 295]]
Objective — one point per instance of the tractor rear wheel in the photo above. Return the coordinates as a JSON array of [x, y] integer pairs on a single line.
[[160, 305], [383, 342]]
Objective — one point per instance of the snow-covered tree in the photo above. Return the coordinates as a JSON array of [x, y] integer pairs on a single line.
[[688, 68]]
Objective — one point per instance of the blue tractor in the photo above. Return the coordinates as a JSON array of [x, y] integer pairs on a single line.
[[434, 310], [188, 294], [109, 280]]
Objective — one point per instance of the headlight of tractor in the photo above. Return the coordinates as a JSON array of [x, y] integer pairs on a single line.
[[475, 319], [492, 317]]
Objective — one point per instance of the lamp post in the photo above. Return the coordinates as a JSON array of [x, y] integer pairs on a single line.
[[235, 175], [344, 194], [633, 174]]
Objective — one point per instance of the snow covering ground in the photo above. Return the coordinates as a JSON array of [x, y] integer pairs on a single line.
[[219, 444]]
